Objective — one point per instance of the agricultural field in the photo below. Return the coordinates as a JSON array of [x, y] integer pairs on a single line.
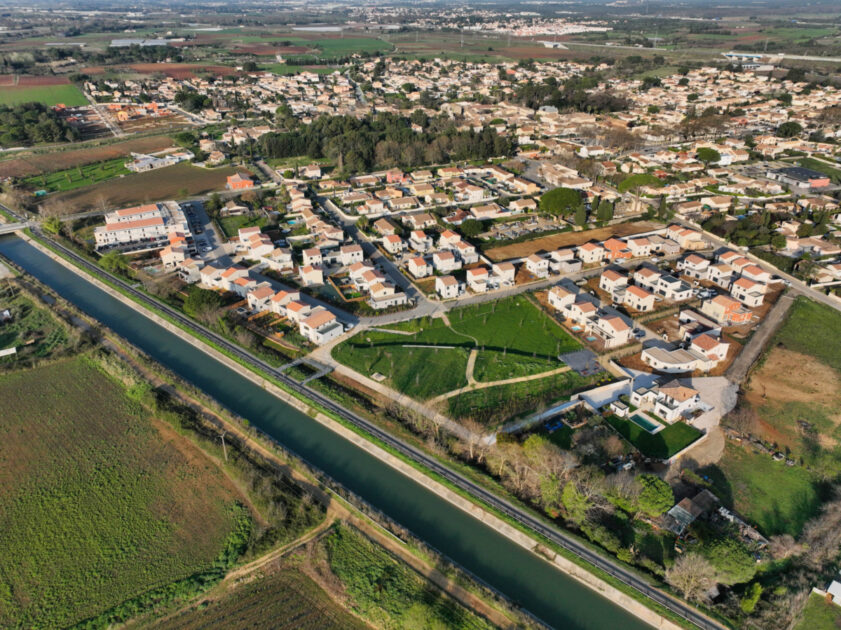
[[99, 504], [32, 330], [27, 165], [777, 498], [164, 183], [795, 408], [428, 357], [285, 68], [386, 592], [663, 444], [49, 95], [281, 598], [569, 239], [80, 176]]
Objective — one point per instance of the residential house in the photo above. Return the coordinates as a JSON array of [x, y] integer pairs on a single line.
[[537, 266], [393, 244], [445, 262], [726, 310], [321, 326], [590, 253], [311, 275], [419, 267], [447, 287], [638, 298]]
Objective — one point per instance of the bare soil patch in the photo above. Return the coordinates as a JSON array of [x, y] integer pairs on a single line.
[[36, 164], [568, 239], [788, 376]]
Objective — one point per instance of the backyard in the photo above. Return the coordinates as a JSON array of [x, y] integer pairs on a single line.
[[820, 614], [427, 357], [663, 444], [777, 498]]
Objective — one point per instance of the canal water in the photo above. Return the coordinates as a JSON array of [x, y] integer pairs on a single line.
[[554, 597]]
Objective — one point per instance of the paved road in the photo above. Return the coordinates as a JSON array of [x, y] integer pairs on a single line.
[[797, 287], [479, 493], [738, 370]]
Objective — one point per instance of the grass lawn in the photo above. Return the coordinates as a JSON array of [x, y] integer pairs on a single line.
[[640, 179], [820, 615], [663, 444], [777, 498], [98, 504], [231, 225], [493, 405], [514, 338], [49, 95], [822, 167], [80, 176]]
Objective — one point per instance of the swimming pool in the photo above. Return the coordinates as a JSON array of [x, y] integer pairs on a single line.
[[645, 423], [576, 328]]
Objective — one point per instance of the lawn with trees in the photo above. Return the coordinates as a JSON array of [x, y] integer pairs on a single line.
[[663, 444], [513, 338]]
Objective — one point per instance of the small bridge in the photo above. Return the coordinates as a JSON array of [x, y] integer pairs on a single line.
[[8, 228]]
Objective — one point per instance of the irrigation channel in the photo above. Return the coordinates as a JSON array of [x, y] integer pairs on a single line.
[[523, 576]]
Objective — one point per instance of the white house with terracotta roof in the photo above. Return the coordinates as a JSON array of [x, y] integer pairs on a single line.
[[612, 281], [420, 241], [590, 253], [297, 311], [694, 266], [447, 287], [748, 292], [638, 298], [477, 279], [311, 275], [419, 267], [312, 257], [393, 244], [537, 266], [445, 262], [320, 326], [671, 401], [504, 273], [350, 254], [560, 298]]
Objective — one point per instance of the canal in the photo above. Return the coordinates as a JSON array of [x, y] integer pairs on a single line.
[[556, 598]]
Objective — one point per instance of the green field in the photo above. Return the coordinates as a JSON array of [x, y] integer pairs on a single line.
[[663, 444], [339, 47], [80, 176], [96, 507], [231, 225], [513, 338], [285, 599], [822, 167], [819, 615], [640, 179], [49, 95], [493, 405], [285, 68], [776, 498], [388, 593], [32, 330]]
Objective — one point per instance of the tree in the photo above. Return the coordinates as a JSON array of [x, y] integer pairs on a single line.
[[471, 228], [575, 503], [605, 211], [708, 156], [581, 216], [560, 201], [656, 495], [53, 225], [114, 262], [249, 66], [692, 575], [732, 561], [789, 129], [751, 597], [201, 301]]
